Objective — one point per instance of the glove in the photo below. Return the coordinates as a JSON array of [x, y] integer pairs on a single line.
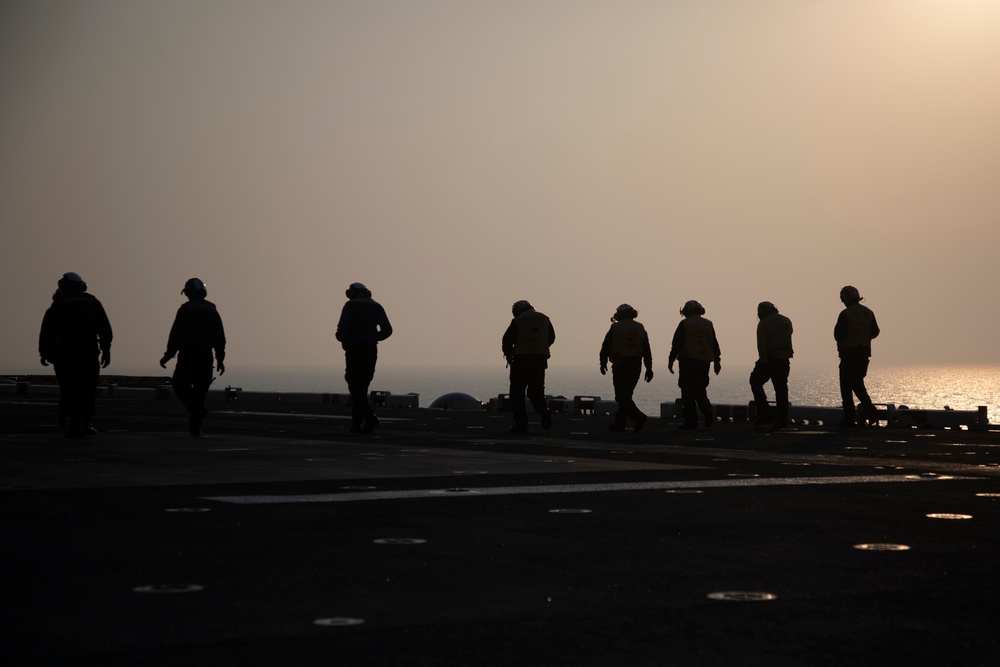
[[718, 367], [649, 375], [163, 361], [604, 369], [221, 367], [670, 367], [105, 358]]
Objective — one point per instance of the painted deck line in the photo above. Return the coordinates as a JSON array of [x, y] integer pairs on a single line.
[[255, 413], [569, 488]]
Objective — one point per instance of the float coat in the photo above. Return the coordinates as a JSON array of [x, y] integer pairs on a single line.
[[774, 337]]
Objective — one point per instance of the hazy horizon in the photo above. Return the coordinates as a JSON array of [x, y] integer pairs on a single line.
[[456, 157]]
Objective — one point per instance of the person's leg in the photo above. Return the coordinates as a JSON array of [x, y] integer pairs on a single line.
[[701, 391], [184, 386], [357, 386], [360, 360], [687, 381], [706, 406], [371, 359], [859, 389], [846, 392], [779, 379], [758, 378], [518, 387], [63, 389], [631, 369], [623, 382], [91, 371], [71, 394], [536, 394]]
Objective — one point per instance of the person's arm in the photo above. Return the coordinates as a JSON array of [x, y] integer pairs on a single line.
[[344, 323], [47, 337], [173, 340], [508, 341], [676, 345], [840, 329], [219, 340], [384, 328], [718, 352], [104, 334], [606, 349], [647, 356]]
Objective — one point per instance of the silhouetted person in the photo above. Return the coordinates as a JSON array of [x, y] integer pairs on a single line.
[[63, 419], [696, 347], [774, 351], [626, 345], [363, 323], [197, 332], [525, 345], [855, 329], [76, 338]]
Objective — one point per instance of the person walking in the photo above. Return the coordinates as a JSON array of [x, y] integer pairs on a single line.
[[525, 346], [774, 352], [75, 338], [626, 345], [855, 329], [696, 347], [362, 326], [196, 333]]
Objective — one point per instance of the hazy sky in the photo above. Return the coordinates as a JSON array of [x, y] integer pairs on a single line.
[[458, 155]]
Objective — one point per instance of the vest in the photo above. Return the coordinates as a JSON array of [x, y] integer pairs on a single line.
[[532, 334], [775, 337], [859, 327], [627, 339], [699, 339]]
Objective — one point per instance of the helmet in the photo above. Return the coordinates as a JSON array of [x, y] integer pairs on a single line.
[[765, 308], [692, 307], [72, 282], [520, 306], [850, 294], [357, 290], [625, 312], [194, 287]]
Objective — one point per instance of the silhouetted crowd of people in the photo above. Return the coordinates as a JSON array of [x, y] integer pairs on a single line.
[[76, 339]]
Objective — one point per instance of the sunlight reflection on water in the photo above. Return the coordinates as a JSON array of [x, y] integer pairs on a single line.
[[918, 387]]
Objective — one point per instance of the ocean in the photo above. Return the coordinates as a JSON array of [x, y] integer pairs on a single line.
[[917, 387]]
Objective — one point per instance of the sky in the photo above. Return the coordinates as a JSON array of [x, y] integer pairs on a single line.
[[459, 155]]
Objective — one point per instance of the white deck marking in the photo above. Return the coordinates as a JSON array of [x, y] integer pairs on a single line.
[[565, 488], [307, 415]]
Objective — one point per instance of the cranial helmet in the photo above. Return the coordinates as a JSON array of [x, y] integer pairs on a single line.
[[520, 306], [692, 307], [194, 287], [357, 290], [850, 293], [625, 312], [765, 308], [72, 282]]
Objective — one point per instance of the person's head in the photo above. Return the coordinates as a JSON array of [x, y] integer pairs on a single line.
[[71, 282], [624, 312], [194, 288], [520, 306], [849, 294], [358, 291], [765, 308], [692, 308]]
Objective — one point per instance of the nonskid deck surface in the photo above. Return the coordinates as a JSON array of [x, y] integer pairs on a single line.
[[442, 539]]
